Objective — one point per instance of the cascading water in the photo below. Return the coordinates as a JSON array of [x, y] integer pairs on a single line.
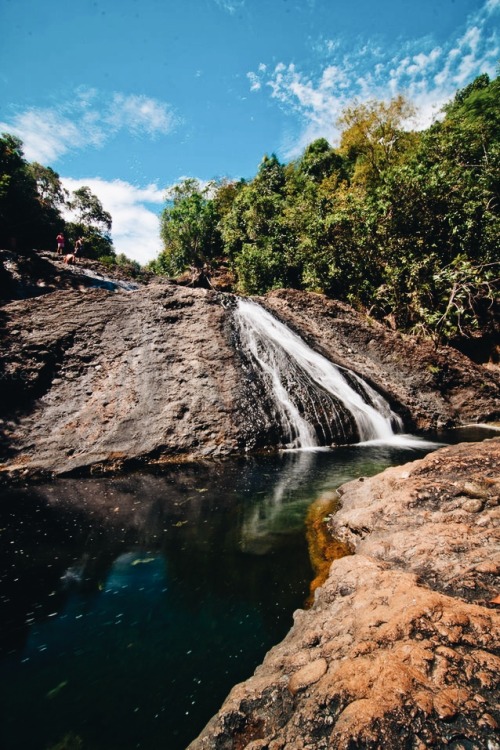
[[316, 402]]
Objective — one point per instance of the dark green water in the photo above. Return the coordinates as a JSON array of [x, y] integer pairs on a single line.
[[130, 606]]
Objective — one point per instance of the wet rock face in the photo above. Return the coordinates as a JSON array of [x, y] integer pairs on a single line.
[[97, 378], [387, 658], [429, 387]]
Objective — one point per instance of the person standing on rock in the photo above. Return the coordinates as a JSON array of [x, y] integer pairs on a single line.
[[60, 243], [78, 246]]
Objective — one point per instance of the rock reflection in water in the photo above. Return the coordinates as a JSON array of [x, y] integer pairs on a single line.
[[147, 597], [138, 593]]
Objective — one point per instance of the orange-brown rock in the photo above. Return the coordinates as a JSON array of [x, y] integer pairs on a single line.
[[401, 647], [437, 517]]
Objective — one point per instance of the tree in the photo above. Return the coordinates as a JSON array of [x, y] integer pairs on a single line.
[[49, 188], [320, 161], [92, 223], [463, 153], [132, 267], [189, 228], [89, 210], [27, 218], [254, 231], [373, 137], [399, 223]]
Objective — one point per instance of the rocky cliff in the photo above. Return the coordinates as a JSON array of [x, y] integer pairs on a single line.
[[429, 386], [101, 373], [400, 648]]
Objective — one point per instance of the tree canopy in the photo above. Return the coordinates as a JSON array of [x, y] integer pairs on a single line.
[[32, 201], [29, 199], [92, 223], [188, 228], [400, 223]]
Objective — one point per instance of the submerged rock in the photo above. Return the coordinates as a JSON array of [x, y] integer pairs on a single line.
[[401, 647]]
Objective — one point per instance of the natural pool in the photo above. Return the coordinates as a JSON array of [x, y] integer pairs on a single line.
[[129, 606]]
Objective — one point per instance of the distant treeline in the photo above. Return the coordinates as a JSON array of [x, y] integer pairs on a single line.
[[32, 203], [402, 224]]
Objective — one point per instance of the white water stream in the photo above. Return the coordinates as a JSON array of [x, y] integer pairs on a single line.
[[286, 362]]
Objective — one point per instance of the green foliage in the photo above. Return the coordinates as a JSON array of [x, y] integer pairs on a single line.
[[89, 210], [30, 199], [256, 233], [50, 191], [463, 295], [373, 138], [402, 224], [259, 269], [92, 224], [132, 267], [189, 228], [320, 161]]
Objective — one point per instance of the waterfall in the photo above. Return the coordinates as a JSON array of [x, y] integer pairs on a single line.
[[315, 402]]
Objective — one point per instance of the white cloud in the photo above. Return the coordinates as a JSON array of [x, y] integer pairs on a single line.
[[231, 6], [88, 120], [139, 114], [255, 84], [426, 73], [134, 210], [47, 134]]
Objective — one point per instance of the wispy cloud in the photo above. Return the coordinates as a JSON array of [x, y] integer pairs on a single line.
[[255, 81], [428, 74], [231, 6], [140, 114], [135, 211], [90, 119]]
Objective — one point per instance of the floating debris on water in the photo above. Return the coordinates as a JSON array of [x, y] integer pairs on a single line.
[[52, 693], [143, 560]]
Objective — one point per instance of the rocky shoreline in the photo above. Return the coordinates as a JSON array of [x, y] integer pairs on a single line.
[[94, 379], [400, 649]]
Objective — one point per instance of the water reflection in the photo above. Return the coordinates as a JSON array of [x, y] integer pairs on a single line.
[[129, 606], [280, 510]]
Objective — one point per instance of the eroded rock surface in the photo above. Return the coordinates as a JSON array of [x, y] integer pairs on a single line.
[[430, 387], [93, 377], [101, 377], [438, 517], [387, 658]]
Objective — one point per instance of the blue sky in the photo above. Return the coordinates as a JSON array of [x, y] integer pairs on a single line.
[[129, 97]]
